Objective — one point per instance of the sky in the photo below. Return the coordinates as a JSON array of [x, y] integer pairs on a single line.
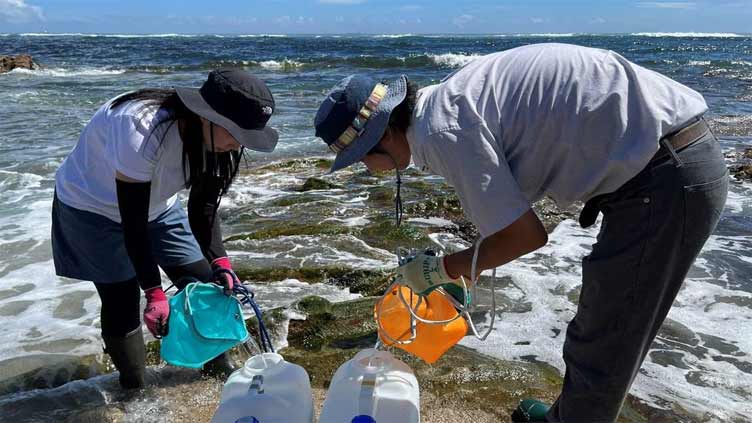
[[373, 16]]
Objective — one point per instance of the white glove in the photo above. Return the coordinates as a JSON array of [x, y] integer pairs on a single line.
[[425, 273]]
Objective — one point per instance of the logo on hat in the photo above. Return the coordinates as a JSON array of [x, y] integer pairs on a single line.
[[266, 110]]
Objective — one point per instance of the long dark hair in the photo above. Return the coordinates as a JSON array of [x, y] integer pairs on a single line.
[[222, 166]]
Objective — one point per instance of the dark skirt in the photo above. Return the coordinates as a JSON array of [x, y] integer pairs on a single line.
[[89, 246]]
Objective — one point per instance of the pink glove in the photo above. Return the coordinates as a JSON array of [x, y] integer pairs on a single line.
[[156, 312], [223, 274]]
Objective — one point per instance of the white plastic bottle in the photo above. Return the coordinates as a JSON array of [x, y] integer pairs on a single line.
[[373, 387], [267, 389]]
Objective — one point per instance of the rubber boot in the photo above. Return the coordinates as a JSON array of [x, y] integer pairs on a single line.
[[219, 366], [128, 353], [530, 410]]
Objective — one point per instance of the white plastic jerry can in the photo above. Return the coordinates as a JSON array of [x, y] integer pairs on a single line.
[[373, 387], [267, 389]]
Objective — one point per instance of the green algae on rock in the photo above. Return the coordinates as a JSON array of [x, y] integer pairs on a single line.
[[463, 379], [313, 183], [360, 281], [292, 229], [384, 234], [332, 334]]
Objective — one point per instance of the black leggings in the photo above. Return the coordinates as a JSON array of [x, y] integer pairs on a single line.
[[121, 301]]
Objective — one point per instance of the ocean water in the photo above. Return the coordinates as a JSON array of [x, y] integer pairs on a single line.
[[701, 360]]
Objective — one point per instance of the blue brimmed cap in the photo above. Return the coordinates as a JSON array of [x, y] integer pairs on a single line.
[[353, 117]]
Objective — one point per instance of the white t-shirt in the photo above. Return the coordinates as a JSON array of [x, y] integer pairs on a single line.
[[553, 120], [129, 140]]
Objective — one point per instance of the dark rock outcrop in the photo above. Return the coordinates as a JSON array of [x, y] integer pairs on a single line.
[[23, 61], [742, 172]]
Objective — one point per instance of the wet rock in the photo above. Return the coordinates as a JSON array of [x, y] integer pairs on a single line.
[[364, 282], [318, 184], [740, 163], [105, 414], [359, 281], [21, 61], [59, 403], [381, 197], [275, 322], [445, 205], [462, 379], [292, 200], [742, 172], [551, 214], [47, 371], [325, 325], [172, 394], [290, 229], [385, 234], [314, 305]]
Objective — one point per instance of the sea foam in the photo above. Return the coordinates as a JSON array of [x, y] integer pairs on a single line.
[[690, 34], [454, 60]]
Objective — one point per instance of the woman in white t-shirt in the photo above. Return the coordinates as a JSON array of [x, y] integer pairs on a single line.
[[116, 218]]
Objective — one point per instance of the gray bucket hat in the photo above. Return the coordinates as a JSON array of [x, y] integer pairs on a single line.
[[360, 106], [237, 101]]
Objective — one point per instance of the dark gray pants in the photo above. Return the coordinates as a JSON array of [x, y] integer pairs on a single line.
[[653, 229]]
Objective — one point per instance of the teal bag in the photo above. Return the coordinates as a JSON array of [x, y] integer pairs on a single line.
[[203, 323]]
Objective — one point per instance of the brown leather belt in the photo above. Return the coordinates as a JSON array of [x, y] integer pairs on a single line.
[[682, 138]]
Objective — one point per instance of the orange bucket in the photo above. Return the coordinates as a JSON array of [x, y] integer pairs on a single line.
[[431, 341]]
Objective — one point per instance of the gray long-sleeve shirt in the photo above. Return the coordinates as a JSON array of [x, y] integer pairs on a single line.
[[555, 120]]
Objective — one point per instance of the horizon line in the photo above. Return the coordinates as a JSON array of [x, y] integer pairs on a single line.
[[407, 34]]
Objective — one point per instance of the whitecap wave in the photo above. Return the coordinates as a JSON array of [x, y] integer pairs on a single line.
[[64, 73], [262, 36], [280, 65], [453, 60], [393, 35], [98, 35], [689, 34], [548, 35]]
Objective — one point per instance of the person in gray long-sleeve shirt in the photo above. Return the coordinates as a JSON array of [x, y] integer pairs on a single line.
[[574, 124]]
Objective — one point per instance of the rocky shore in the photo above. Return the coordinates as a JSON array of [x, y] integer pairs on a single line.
[[462, 385], [319, 335], [742, 169]]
